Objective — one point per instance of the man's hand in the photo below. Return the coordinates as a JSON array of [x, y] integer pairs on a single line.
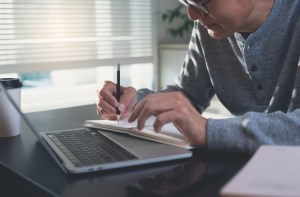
[[107, 102], [176, 108]]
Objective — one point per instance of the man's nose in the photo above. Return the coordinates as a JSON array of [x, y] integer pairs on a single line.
[[195, 13]]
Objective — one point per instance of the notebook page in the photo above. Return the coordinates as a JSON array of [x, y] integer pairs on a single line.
[[168, 134], [118, 125]]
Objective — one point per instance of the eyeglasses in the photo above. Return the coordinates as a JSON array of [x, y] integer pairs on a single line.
[[200, 4]]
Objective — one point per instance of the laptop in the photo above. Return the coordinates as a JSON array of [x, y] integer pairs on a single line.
[[85, 150]]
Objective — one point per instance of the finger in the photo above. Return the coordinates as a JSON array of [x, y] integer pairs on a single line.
[[107, 88], [144, 108], [136, 111], [107, 107], [153, 104], [128, 99], [111, 117], [173, 117], [125, 115], [106, 115], [142, 117], [163, 119], [99, 112], [107, 93]]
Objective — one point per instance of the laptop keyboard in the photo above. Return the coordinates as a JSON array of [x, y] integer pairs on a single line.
[[87, 147]]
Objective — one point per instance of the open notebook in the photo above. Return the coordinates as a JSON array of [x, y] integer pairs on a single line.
[[168, 135]]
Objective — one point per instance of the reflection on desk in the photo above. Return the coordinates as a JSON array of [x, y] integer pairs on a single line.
[[180, 180]]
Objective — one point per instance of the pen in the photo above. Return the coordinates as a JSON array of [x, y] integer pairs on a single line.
[[118, 90]]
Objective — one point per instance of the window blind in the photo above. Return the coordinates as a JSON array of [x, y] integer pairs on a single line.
[[40, 35]]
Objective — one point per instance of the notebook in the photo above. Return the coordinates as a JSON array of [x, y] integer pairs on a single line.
[[168, 134], [99, 150], [272, 171]]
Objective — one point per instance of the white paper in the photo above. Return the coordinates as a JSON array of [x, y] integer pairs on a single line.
[[168, 134], [272, 171]]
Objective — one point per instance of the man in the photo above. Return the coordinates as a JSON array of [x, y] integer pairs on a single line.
[[247, 53]]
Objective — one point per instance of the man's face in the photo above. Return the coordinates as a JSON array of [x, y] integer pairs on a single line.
[[224, 17]]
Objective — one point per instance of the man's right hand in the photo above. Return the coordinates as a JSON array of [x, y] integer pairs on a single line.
[[107, 102]]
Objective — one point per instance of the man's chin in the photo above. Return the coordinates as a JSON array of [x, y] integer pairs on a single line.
[[216, 35]]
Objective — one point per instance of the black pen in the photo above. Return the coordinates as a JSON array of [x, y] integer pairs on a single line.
[[118, 90]]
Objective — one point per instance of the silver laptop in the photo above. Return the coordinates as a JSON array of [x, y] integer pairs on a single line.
[[87, 150]]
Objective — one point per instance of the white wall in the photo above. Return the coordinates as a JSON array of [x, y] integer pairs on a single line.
[[162, 35], [171, 51]]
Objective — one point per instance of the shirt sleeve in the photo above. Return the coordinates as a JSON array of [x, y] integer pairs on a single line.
[[246, 133]]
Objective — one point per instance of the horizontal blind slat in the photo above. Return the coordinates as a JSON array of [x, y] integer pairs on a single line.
[[41, 66], [51, 31]]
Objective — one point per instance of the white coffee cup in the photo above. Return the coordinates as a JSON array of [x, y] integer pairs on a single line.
[[10, 122]]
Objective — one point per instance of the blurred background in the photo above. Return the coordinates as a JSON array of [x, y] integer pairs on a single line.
[[63, 50]]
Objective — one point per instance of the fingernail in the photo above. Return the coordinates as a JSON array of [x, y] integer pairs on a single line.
[[121, 107]]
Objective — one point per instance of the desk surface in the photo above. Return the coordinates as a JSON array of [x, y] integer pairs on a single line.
[[26, 166]]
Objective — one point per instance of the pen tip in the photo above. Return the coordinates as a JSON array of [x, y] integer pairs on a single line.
[[118, 117]]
